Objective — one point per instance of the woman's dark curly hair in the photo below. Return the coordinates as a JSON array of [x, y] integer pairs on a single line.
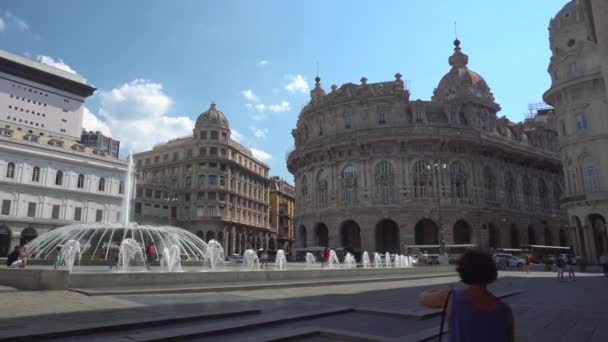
[[477, 268]]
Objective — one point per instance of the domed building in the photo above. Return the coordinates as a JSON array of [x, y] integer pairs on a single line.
[[376, 171], [578, 69], [209, 184]]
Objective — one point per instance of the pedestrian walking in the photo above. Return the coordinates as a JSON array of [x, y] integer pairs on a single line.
[[570, 266], [559, 262], [24, 255], [604, 262], [13, 257], [527, 264], [265, 258], [57, 258], [150, 255], [473, 313], [324, 257]]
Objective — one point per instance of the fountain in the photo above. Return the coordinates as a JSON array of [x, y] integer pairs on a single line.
[[171, 260], [280, 262], [350, 261], [251, 260], [366, 260], [333, 261], [377, 260], [69, 252], [387, 259], [215, 254], [98, 241], [310, 260], [397, 261], [130, 252]]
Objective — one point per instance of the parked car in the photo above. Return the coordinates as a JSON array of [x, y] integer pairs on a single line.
[[512, 261], [235, 258], [566, 257]]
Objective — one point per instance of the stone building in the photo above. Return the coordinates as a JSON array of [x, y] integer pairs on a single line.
[[48, 182], [377, 171], [282, 206], [209, 184], [578, 69]]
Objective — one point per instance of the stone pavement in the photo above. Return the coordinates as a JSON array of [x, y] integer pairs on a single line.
[[548, 310]]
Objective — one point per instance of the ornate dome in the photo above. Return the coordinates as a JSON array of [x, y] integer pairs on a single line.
[[212, 117], [461, 81]]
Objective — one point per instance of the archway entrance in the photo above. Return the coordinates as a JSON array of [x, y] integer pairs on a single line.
[[598, 228], [581, 237], [548, 236], [492, 236], [514, 236], [563, 237], [210, 235], [200, 235], [321, 235], [350, 237], [302, 236], [220, 238], [462, 232], [387, 237], [5, 241], [271, 245], [28, 234], [426, 232], [531, 235]]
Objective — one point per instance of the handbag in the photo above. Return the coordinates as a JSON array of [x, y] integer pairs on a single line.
[[445, 306]]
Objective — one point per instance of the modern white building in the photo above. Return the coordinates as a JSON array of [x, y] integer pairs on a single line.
[[40, 99], [47, 178]]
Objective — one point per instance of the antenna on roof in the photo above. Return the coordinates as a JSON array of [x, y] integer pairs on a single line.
[[455, 31], [317, 68]]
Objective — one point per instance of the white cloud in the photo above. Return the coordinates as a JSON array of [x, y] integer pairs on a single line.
[[260, 133], [260, 108], [10, 20], [249, 95], [235, 135], [297, 83], [261, 155], [90, 122], [2, 25], [136, 114], [263, 62], [59, 64], [282, 107]]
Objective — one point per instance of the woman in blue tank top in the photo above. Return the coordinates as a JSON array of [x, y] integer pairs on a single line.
[[474, 313]]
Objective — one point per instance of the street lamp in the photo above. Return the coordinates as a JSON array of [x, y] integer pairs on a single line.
[[170, 198], [437, 165]]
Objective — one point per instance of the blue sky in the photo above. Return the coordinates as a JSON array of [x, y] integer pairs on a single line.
[[159, 64]]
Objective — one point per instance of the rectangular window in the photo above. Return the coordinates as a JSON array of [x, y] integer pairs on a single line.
[[224, 136], [419, 116], [156, 160], [348, 122], [187, 197], [581, 122], [213, 151], [381, 120], [212, 180], [572, 68], [188, 181], [78, 213], [453, 118], [202, 151], [6, 207], [200, 196], [204, 135], [31, 209], [175, 156], [201, 180], [214, 135], [55, 212], [591, 179], [148, 193], [98, 215], [211, 196], [157, 194]]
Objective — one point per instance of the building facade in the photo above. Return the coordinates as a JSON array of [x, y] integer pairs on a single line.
[[101, 142], [208, 184], [578, 94], [40, 99], [48, 182], [282, 207], [377, 171]]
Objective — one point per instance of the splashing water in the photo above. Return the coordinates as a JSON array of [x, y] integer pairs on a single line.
[[350, 261], [130, 252], [310, 260], [333, 260], [387, 259], [280, 262], [171, 260], [397, 261], [251, 260], [365, 258], [377, 260], [69, 252], [215, 254]]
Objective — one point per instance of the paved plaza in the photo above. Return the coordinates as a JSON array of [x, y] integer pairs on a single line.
[[545, 310]]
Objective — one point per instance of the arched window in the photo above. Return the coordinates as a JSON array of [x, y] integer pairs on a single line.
[[59, 178], [458, 180], [10, 170], [121, 187], [304, 189], [557, 195], [349, 183], [321, 188], [102, 184], [384, 181], [543, 194], [80, 183], [423, 179], [489, 184], [526, 188], [36, 174], [510, 190]]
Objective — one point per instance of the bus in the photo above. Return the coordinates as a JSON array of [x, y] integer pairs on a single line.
[[431, 252], [540, 252]]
